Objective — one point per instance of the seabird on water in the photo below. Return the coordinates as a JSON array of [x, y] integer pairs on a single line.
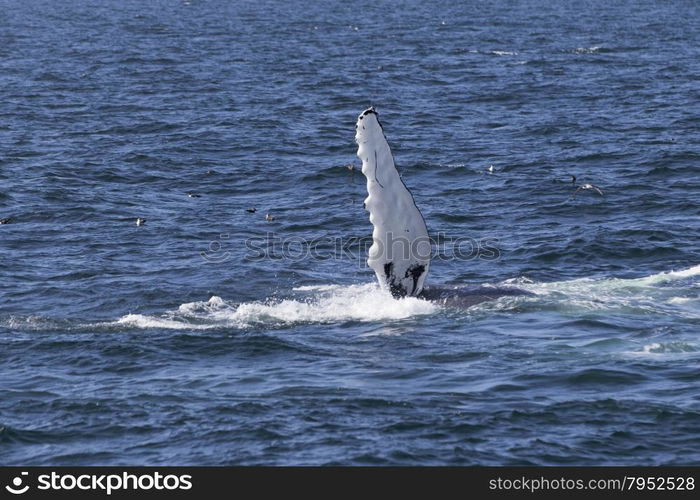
[[251, 210], [140, 221], [6, 220], [269, 218]]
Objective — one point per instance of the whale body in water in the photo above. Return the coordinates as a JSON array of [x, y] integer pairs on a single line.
[[400, 252]]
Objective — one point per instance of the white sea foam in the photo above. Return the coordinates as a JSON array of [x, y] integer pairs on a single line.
[[144, 321], [325, 304], [502, 53], [27, 323], [669, 276], [662, 351], [668, 347], [587, 50], [664, 293]]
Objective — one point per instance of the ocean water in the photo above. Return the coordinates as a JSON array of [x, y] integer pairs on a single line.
[[211, 336]]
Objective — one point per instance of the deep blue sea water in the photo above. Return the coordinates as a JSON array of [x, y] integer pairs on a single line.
[[173, 343]]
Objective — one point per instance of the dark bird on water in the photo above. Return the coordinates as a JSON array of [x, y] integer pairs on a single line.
[[6, 220], [251, 210], [572, 180]]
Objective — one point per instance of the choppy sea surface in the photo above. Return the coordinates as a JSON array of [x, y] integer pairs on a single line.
[[211, 336]]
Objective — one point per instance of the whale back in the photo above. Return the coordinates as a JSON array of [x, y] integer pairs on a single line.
[[463, 297], [400, 251]]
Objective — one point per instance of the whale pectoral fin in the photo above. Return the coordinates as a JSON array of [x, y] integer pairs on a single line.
[[400, 253]]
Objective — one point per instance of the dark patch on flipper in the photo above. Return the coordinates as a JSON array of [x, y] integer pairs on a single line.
[[375, 171], [396, 289], [415, 272], [388, 269]]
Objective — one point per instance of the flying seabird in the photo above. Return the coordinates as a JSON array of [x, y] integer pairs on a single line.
[[587, 186]]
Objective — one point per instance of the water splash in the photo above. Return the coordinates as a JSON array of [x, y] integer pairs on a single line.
[[321, 304]]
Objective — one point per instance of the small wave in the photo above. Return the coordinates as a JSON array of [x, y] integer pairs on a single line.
[[501, 52], [668, 347], [326, 304], [664, 350], [588, 50], [670, 275], [597, 376], [493, 52], [683, 300]]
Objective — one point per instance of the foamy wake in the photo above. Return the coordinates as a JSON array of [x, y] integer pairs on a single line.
[[673, 292], [319, 304]]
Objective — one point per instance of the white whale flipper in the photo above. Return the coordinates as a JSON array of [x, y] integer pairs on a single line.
[[400, 252]]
